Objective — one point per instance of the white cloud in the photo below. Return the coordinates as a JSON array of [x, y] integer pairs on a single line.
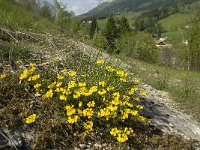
[[80, 6]]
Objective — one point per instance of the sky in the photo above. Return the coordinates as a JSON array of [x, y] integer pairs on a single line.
[[80, 6]]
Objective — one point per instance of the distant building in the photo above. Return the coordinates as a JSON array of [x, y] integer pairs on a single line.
[[161, 42]]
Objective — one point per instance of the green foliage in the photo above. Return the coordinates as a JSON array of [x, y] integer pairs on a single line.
[[146, 48], [101, 42], [124, 26], [111, 33], [93, 27], [15, 15], [194, 46], [45, 11], [140, 46], [126, 45], [62, 17], [75, 25], [13, 52]]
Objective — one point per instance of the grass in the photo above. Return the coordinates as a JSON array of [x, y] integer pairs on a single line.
[[184, 86], [172, 35], [173, 22], [13, 15], [34, 99]]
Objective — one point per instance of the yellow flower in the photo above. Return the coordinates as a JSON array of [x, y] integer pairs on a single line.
[[134, 112], [81, 84], [137, 99], [36, 86], [123, 79], [31, 119], [125, 115], [110, 69], [80, 112], [88, 112], [33, 69], [80, 104], [52, 85], [122, 138], [68, 107], [100, 62], [136, 81], [57, 90], [91, 104], [72, 73], [49, 94], [60, 77], [88, 125], [63, 71], [93, 89], [104, 112], [59, 84], [71, 111], [127, 104], [63, 98], [143, 119], [143, 93], [19, 62], [102, 92], [122, 74], [102, 83], [132, 90], [2, 76], [140, 107], [71, 84], [73, 119], [116, 96], [112, 108], [25, 74], [115, 102], [109, 88], [32, 64], [128, 131], [114, 131], [34, 78]]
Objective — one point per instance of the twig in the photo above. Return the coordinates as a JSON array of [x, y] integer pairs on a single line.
[[8, 139], [6, 31]]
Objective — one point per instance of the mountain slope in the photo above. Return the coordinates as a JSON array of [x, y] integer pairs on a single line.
[[118, 6]]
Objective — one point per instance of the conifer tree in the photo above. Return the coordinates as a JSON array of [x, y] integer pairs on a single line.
[[124, 26], [111, 33], [93, 27]]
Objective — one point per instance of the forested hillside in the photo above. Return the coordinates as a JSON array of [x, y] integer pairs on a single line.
[[120, 6]]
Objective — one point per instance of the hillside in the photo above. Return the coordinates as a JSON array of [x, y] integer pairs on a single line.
[[120, 6], [59, 93]]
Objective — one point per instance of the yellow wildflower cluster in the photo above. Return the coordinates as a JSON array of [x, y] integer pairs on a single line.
[[105, 96], [28, 72], [121, 135]]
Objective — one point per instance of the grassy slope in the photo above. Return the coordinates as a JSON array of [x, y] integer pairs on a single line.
[[184, 86], [15, 16], [175, 21]]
